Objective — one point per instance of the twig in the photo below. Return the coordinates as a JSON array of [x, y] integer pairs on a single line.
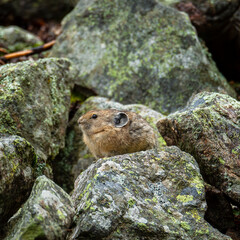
[[28, 52]]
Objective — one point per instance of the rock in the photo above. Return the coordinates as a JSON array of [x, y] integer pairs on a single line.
[[18, 170], [34, 103], [14, 39], [27, 10], [149, 194], [75, 157], [47, 214], [137, 52], [209, 129]]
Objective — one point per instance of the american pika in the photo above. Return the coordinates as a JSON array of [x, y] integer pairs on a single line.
[[111, 132]]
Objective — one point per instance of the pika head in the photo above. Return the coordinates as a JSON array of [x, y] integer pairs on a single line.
[[111, 132]]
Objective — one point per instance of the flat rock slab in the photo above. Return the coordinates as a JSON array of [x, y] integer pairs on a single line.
[[150, 194], [137, 52], [209, 129]]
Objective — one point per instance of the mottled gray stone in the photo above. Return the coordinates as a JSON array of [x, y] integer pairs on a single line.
[[150, 194], [47, 214], [209, 129], [138, 52], [35, 101]]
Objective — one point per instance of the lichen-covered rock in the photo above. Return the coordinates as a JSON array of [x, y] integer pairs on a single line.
[[209, 129], [18, 169], [27, 9], [137, 52], [75, 157], [47, 214], [34, 102], [158, 195], [14, 38]]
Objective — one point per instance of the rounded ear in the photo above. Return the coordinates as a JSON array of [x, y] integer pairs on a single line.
[[120, 119]]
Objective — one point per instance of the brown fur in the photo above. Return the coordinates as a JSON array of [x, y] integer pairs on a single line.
[[104, 139]]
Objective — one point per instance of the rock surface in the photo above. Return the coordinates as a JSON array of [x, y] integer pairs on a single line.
[[137, 52], [209, 129], [75, 157], [34, 103], [150, 195], [47, 214], [18, 169], [14, 39]]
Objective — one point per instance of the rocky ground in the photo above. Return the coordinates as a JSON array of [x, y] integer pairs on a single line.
[[180, 72]]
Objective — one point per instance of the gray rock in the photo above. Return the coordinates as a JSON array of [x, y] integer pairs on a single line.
[[14, 39], [75, 157], [47, 214], [18, 169], [34, 103], [150, 195], [209, 129], [138, 52]]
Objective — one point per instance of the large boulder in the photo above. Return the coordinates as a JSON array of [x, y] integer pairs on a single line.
[[209, 129], [137, 52], [75, 157], [151, 195], [47, 214], [34, 103]]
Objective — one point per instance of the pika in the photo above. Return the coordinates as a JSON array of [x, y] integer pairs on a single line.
[[111, 132]]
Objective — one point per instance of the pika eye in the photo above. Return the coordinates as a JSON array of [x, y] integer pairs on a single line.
[[94, 116]]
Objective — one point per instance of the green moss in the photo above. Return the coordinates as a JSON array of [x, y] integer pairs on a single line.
[[33, 232], [7, 124]]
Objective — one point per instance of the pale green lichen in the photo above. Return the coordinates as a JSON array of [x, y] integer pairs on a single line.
[[60, 214], [221, 160], [131, 202], [185, 198], [185, 225]]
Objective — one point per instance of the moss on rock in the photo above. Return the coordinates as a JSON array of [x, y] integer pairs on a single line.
[[138, 52], [209, 129]]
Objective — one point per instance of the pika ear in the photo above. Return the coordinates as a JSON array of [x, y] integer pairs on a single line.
[[120, 119]]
